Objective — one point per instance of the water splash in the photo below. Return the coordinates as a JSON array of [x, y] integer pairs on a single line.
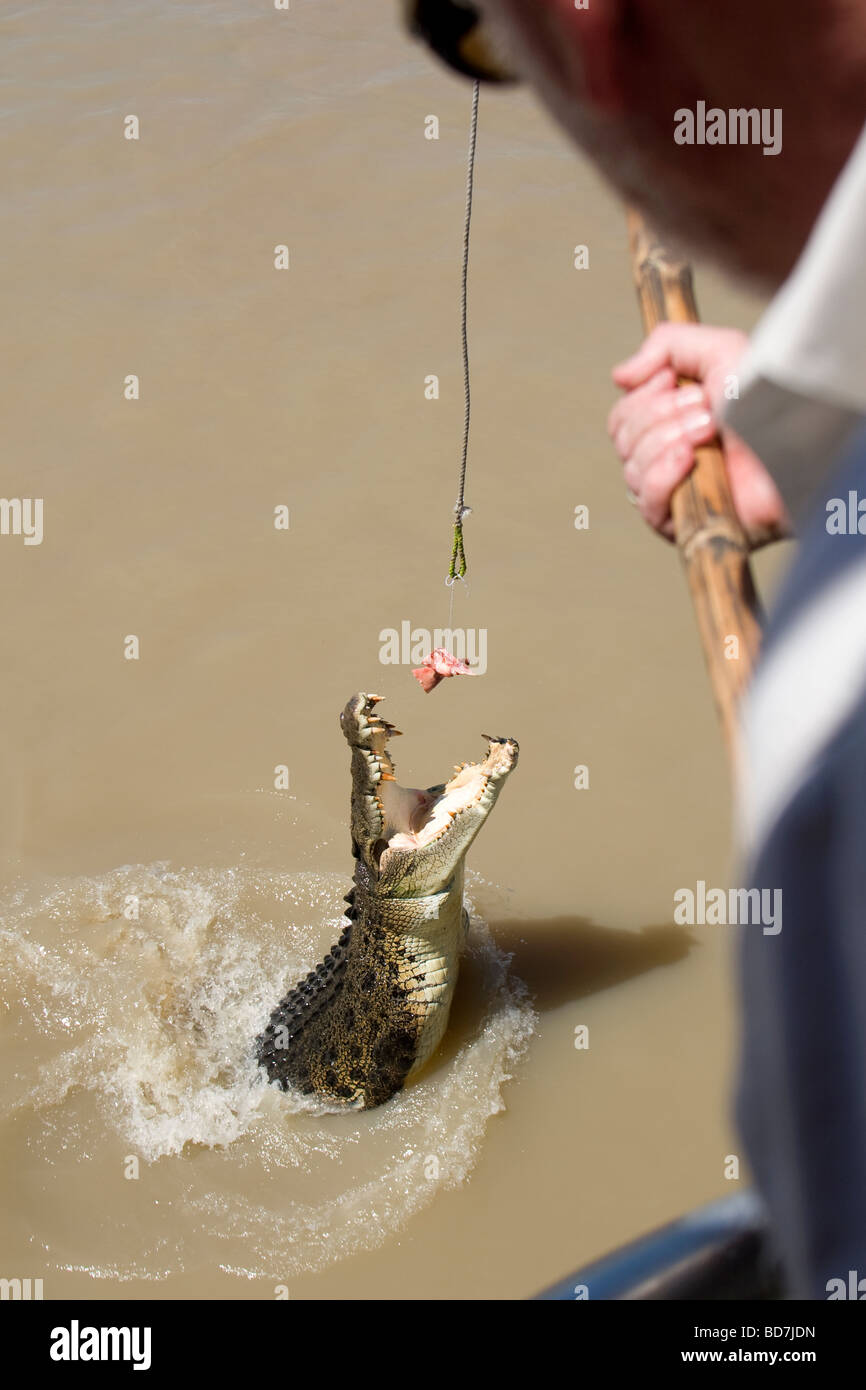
[[132, 1001]]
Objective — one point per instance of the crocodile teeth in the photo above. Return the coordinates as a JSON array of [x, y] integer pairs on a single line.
[[381, 726]]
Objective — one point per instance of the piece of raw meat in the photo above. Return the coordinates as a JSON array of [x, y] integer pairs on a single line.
[[437, 666]]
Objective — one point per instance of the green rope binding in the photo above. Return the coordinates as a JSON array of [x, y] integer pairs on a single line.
[[458, 554]]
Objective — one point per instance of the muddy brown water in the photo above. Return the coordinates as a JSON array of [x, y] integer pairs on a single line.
[[159, 889]]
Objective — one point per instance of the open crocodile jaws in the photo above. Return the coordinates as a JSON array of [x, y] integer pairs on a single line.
[[368, 1018]]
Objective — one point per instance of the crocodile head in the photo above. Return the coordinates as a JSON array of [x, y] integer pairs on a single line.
[[413, 841]]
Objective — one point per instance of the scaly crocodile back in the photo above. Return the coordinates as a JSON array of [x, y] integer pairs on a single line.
[[349, 1030]]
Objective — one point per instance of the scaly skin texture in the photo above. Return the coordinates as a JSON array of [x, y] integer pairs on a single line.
[[373, 1012]]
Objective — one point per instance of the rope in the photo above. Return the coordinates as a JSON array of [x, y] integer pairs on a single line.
[[457, 569]]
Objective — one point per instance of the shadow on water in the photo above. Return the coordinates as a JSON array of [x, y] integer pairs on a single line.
[[559, 961], [567, 958]]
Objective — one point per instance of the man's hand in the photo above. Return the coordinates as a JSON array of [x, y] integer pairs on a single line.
[[656, 426]]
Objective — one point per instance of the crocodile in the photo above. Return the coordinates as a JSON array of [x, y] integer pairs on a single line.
[[369, 1017]]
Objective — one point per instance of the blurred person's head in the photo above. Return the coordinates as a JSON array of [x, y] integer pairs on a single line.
[[616, 73]]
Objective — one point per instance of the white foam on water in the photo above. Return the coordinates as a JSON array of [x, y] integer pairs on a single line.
[[131, 1036]]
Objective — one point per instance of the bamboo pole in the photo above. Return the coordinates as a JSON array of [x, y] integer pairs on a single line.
[[710, 539]]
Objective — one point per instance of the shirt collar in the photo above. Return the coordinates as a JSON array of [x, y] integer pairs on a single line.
[[803, 380]]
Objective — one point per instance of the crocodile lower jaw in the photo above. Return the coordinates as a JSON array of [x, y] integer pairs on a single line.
[[416, 819]]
